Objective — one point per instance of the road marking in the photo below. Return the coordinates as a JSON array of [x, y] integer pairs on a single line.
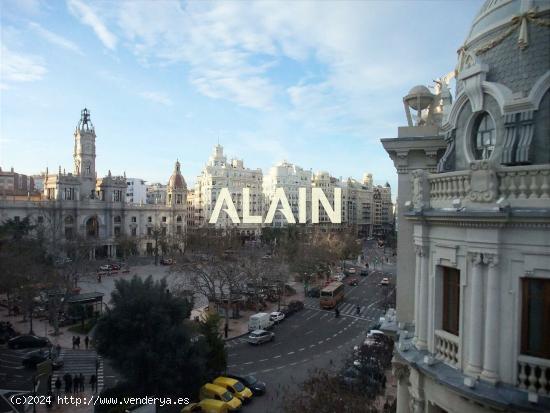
[[311, 316], [248, 362], [266, 370], [310, 331], [328, 338], [340, 346], [289, 353], [328, 351], [301, 349], [276, 357], [323, 316], [280, 367], [232, 365], [293, 364], [335, 334], [264, 359], [311, 345], [320, 342]]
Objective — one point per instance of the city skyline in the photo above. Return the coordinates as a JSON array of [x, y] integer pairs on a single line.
[[216, 88]]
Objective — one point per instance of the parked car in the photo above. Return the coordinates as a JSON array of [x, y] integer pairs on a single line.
[[166, 261], [293, 307], [260, 336], [30, 360], [364, 273], [276, 317], [115, 267], [235, 387], [206, 406], [352, 271], [340, 277], [385, 281], [314, 292], [257, 386], [352, 281], [350, 376], [212, 391], [259, 321], [28, 341], [105, 267]]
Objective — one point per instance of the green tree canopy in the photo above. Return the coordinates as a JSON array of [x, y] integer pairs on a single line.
[[146, 336]]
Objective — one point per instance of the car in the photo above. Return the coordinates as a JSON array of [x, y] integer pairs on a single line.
[[257, 386], [314, 292], [385, 281], [352, 270], [364, 273], [206, 406], [30, 360], [353, 281], [260, 336], [295, 306], [235, 387], [105, 267], [213, 391], [166, 261], [276, 317], [28, 341], [115, 267], [339, 277]]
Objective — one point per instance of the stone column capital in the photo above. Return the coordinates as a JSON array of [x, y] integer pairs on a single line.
[[421, 250], [476, 258], [401, 370], [491, 259]]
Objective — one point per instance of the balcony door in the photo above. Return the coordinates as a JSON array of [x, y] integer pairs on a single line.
[[451, 300]]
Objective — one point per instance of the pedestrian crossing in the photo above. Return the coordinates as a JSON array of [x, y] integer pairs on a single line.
[[80, 361], [346, 309]]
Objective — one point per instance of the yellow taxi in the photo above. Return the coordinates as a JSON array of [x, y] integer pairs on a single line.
[[235, 387], [213, 391], [206, 406]]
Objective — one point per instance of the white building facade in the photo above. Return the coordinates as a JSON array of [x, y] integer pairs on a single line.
[[136, 191], [218, 174], [474, 224]]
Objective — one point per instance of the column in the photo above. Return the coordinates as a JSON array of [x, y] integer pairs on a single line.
[[492, 321], [401, 372], [418, 249], [421, 342], [475, 330]]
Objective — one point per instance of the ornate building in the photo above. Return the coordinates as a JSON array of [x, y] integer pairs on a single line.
[[474, 224], [78, 206]]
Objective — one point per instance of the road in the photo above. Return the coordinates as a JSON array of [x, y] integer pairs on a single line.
[[312, 338]]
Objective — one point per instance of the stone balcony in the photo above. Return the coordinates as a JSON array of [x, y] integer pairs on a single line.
[[525, 186], [442, 368]]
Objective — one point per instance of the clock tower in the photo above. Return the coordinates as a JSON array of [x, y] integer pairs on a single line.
[[84, 154]]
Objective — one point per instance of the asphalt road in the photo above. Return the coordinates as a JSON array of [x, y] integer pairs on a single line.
[[312, 338]]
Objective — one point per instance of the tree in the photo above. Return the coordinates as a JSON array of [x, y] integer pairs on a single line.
[[322, 392], [147, 337], [217, 355]]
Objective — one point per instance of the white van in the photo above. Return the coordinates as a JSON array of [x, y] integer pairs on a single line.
[[259, 321]]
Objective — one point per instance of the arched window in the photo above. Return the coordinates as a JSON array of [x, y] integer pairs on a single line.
[[483, 137], [92, 228], [178, 218]]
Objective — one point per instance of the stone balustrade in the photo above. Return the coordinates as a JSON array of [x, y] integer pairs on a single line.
[[534, 374], [520, 186], [447, 347]]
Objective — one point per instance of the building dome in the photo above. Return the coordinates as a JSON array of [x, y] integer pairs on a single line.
[[511, 37], [177, 181]]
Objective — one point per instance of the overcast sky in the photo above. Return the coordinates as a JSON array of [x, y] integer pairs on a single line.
[[314, 83]]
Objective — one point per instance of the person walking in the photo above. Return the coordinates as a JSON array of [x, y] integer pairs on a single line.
[[57, 386], [358, 310], [87, 342], [75, 383], [81, 382], [78, 342], [67, 379], [93, 382]]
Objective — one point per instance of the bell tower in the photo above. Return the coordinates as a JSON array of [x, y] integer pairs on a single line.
[[84, 154]]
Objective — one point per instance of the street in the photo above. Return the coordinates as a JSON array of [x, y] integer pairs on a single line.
[[312, 338]]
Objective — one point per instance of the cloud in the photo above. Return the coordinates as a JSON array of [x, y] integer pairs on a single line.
[[88, 16], [19, 67], [157, 98], [55, 39]]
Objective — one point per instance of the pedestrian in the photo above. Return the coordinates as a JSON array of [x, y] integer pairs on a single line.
[[358, 310], [57, 385], [93, 382], [81, 382], [75, 383], [78, 342], [68, 382], [99, 278], [87, 342], [226, 330], [57, 349]]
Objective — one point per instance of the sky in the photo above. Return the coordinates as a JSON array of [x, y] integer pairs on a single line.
[[317, 84]]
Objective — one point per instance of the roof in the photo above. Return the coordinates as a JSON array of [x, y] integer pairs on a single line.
[[86, 297], [332, 286], [177, 181]]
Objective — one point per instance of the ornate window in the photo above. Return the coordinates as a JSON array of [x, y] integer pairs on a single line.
[[117, 219], [451, 300], [483, 137]]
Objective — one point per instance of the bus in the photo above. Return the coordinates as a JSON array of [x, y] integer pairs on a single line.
[[332, 295]]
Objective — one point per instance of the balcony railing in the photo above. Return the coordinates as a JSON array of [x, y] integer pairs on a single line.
[[446, 347], [534, 374], [526, 185]]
